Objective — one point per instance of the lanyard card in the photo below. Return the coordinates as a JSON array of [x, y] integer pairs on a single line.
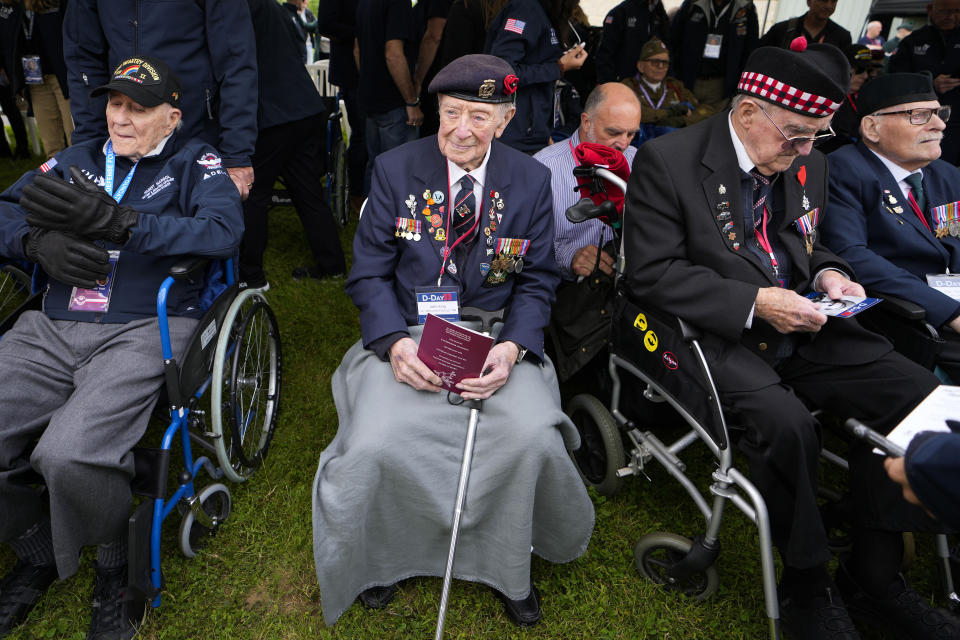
[[711, 49], [439, 301], [31, 70], [97, 299], [945, 283]]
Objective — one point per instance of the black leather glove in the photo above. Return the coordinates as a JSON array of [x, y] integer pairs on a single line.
[[81, 208], [75, 261]]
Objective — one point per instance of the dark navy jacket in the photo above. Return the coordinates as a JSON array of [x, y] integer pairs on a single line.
[[188, 206], [387, 269], [933, 469], [533, 55], [287, 93], [337, 20], [688, 35], [625, 30], [47, 29], [208, 43], [891, 252]]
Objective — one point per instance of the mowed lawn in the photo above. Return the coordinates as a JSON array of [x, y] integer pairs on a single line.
[[255, 579]]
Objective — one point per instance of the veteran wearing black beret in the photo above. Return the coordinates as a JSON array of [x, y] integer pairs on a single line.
[[722, 230], [460, 215], [895, 206]]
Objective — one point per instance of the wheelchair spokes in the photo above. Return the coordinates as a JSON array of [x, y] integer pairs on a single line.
[[14, 288]]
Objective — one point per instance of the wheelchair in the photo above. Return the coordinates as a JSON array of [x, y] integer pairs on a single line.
[[223, 397], [664, 354]]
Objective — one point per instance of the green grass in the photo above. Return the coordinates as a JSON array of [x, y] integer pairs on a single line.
[[256, 580]]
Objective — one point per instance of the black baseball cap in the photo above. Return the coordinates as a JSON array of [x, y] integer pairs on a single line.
[[146, 80]]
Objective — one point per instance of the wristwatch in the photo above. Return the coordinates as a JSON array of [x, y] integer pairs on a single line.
[[521, 352]]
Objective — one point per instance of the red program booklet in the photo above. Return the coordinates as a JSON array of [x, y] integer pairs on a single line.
[[452, 352]]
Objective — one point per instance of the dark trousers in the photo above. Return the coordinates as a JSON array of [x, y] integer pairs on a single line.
[[9, 106], [782, 444], [291, 151], [949, 358]]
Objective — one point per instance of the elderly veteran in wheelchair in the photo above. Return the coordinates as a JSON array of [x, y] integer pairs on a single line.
[[104, 220], [463, 213], [895, 206], [721, 230]]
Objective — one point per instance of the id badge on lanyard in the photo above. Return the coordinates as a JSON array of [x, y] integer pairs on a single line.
[[440, 301], [712, 47], [946, 283], [32, 73]]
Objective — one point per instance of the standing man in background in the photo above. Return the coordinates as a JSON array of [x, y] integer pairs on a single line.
[[208, 43], [384, 48], [710, 41], [815, 25]]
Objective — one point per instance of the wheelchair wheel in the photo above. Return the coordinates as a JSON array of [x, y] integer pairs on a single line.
[[655, 553], [14, 288], [215, 501], [245, 391], [340, 189], [601, 450]]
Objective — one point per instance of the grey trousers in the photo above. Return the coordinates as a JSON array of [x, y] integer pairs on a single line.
[[83, 392]]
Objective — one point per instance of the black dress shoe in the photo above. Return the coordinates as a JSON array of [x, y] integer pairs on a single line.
[[820, 616], [902, 612], [115, 614], [378, 597], [20, 590], [525, 612]]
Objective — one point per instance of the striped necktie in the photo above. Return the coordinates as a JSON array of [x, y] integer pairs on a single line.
[[464, 211]]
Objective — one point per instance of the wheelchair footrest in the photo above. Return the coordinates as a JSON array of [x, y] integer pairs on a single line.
[[138, 555]]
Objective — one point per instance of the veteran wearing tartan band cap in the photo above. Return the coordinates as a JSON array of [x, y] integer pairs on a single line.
[[458, 209], [877, 188], [723, 230]]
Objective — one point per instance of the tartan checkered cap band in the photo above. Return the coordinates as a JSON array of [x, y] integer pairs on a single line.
[[773, 90]]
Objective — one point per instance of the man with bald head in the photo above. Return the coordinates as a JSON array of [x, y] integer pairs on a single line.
[[936, 48], [611, 117], [872, 37]]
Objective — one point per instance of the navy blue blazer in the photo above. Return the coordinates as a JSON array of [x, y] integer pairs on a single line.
[[891, 252], [387, 269]]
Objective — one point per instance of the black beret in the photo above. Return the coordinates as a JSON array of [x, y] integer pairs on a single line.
[[812, 80], [478, 78], [895, 88]]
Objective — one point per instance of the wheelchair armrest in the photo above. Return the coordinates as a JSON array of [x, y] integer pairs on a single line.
[[903, 308], [486, 318], [187, 267], [690, 332]]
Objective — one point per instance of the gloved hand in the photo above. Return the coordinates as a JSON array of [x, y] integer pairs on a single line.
[[81, 208], [677, 109], [75, 261]]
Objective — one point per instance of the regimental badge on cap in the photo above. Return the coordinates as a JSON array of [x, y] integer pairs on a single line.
[[487, 88]]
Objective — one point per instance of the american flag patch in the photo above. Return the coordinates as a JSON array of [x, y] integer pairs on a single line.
[[608, 20], [49, 164], [515, 25]]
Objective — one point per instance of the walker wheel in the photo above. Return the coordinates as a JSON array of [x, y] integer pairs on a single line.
[[655, 553]]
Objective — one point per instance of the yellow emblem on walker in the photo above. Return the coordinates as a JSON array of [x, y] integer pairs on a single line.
[[487, 88], [650, 341], [640, 322]]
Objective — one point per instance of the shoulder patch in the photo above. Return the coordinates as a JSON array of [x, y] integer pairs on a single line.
[[514, 25], [209, 161]]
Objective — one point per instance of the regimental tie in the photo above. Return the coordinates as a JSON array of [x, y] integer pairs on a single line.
[[464, 211], [761, 189], [917, 197]]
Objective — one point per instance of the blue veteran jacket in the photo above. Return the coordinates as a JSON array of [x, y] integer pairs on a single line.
[[387, 269], [891, 251], [523, 36], [933, 469], [209, 44], [188, 206]]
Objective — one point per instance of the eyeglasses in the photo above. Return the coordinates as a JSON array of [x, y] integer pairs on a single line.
[[920, 116], [793, 144], [660, 64]]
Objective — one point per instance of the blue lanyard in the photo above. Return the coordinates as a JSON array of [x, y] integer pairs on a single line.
[[109, 173]]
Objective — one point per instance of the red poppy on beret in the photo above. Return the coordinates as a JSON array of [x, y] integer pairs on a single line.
[[510, 84]]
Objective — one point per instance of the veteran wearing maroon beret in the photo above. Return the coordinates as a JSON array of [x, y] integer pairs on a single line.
[[722, 230], [463, 216]]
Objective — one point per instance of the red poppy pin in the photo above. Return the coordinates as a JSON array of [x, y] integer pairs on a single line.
[[802, 175], [510, 85]]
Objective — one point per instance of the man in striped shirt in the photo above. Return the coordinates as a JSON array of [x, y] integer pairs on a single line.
[[611, 117]]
